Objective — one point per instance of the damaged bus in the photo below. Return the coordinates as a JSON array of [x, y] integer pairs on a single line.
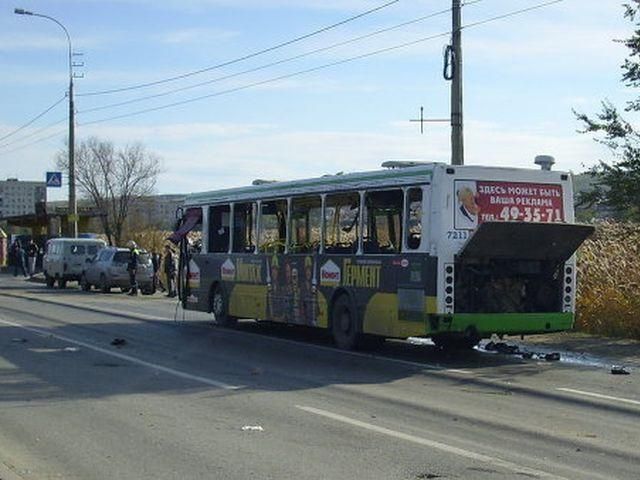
[[454, 253]]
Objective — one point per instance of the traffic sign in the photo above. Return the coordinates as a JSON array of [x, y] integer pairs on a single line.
[[54, 179]]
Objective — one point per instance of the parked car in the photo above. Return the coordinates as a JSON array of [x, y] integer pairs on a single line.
[[65, 258], [108, 269]]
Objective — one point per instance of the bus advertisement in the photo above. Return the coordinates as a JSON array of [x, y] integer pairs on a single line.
[[455, 254]]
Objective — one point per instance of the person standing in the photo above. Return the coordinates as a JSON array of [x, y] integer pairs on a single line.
[[14, 257], [169, 268], [32, 253], [155, 261], [132, 267]]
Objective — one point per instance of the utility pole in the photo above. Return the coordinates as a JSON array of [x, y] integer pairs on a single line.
[[73, 204], [457, 137]]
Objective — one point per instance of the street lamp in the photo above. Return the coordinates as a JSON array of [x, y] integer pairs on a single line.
[[73, 204]]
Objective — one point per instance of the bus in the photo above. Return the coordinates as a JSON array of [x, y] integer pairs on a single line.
[[451, 253]]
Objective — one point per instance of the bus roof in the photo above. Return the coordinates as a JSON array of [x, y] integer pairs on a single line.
[[326, 184], [388, 177]]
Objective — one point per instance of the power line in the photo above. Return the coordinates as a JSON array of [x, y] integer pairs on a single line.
[[268, 65], [271, 80], [33, 134], [512, 14], [321, 67], [60, 132], [30, 122], [245, 57]]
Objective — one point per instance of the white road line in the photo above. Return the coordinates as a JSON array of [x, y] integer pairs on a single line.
[[144, 317], [122, 356], [432, 444], [496, 462], [599, 395]]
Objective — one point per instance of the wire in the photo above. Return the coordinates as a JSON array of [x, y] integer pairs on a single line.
[[33, 134], [245, 57], [60, 132], [318, 68], [268, 65], [40, 115], [271, 80], [511, 14]]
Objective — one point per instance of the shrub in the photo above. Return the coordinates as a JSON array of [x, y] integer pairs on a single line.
[[608, 301]]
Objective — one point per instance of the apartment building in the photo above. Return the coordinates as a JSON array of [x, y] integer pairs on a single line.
[[19, 197]]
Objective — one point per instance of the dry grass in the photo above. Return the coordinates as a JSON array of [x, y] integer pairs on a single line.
[[608, 281]]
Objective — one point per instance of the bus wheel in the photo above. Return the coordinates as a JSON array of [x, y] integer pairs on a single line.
[[344, 328], [50, 281], [219, 308], [62, 283]]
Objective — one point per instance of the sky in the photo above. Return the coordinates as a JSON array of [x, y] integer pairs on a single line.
[[260, 117]]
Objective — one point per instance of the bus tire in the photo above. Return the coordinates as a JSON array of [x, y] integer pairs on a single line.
[[344, 324], [49, 280], [62, 283], [220, 308]]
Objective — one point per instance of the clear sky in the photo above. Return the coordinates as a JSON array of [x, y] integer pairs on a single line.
[[523, 75]]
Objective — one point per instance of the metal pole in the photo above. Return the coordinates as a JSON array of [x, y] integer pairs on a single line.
[[73, 204], [457, 137]]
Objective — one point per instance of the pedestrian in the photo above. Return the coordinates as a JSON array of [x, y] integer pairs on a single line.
[[32, 253], [23, 261], [18, 258], [14, 257], [155, 261], [169, 268], [132, 267]]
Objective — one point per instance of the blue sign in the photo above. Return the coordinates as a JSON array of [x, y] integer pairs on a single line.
[[54, 179]]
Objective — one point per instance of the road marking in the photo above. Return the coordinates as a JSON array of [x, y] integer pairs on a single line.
[[129, 358], [496, 462], [144, 317], [599, 395]]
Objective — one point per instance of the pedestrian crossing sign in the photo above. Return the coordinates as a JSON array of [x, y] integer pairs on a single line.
[[54, 179]]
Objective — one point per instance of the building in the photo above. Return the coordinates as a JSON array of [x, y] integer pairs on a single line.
[[18, 198], [157, 210]]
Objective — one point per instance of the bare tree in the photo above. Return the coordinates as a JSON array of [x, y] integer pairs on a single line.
[[113, 179]]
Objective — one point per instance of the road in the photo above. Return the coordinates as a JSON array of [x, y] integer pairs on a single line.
[[182, 399]]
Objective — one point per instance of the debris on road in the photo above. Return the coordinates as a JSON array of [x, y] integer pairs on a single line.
[[502, 347], [118, 342], [19, 340], [252, 428], [552, 357], [619, 370]]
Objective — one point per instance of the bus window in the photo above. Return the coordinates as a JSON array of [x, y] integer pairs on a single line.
[[382, 222], [414, 218], [219, 229], [244, 233], [305, 224], [273, 226], [342, 214]]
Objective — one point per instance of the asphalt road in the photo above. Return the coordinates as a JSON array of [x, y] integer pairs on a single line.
[[182, 399]]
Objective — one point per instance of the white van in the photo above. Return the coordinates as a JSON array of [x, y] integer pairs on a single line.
[[65, 258]]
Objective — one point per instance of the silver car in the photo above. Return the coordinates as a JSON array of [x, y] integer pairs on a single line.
[[108, 269]]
